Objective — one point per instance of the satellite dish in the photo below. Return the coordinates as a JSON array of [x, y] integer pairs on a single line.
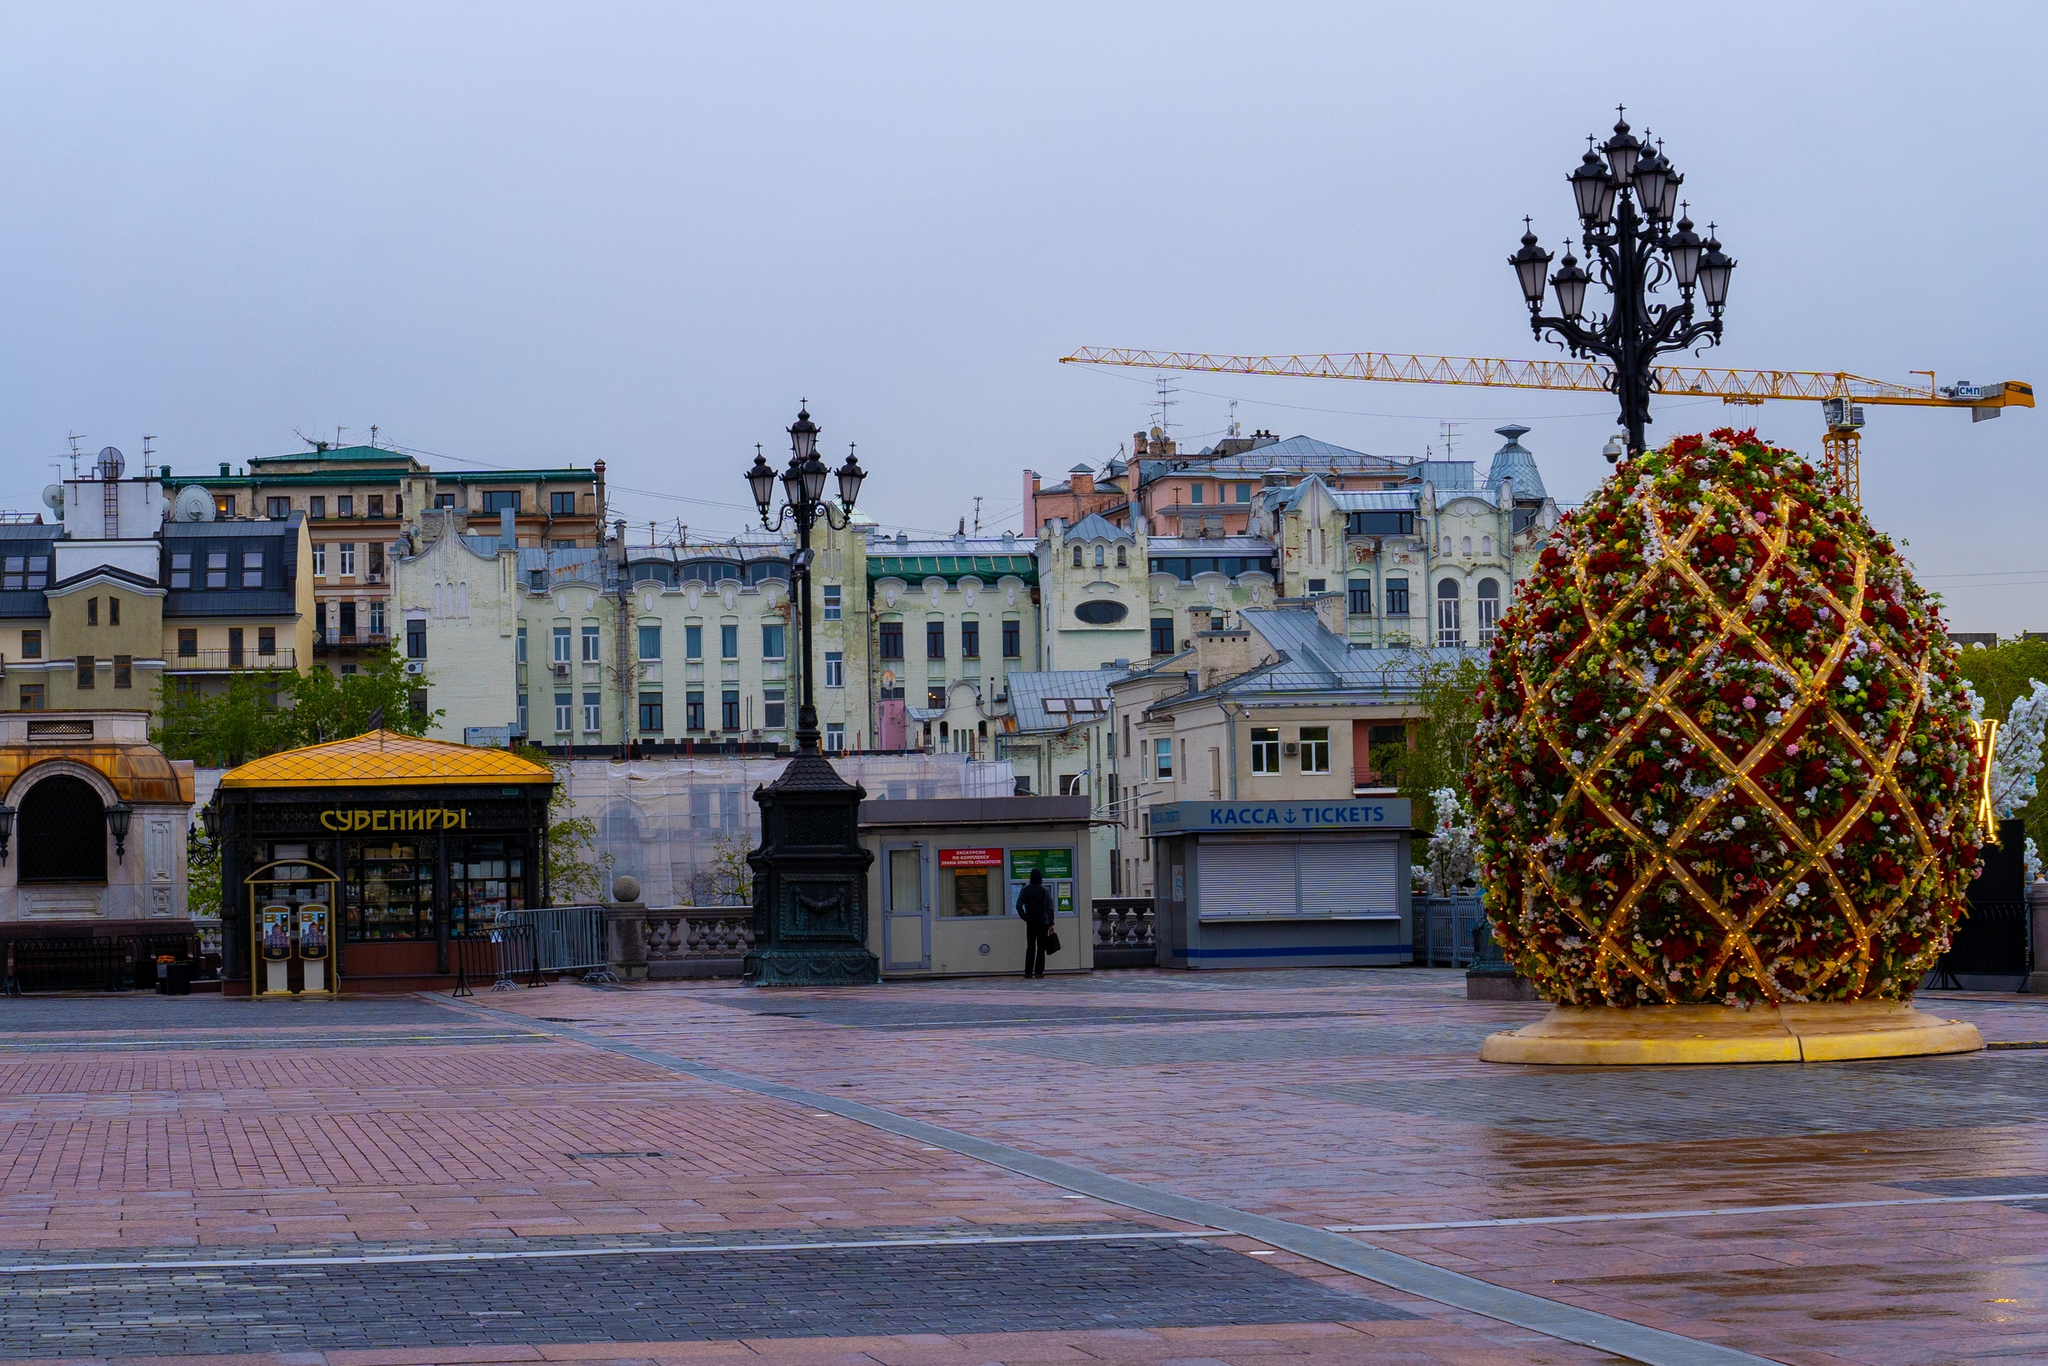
[[111, 463], [53, 497], [194, 504]]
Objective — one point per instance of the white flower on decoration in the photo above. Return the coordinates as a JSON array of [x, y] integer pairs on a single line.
[[2033, 861], [1661, 828]]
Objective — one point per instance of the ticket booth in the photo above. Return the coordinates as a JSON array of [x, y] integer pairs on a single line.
[[356, 865], [1283, 884], [942, 891]]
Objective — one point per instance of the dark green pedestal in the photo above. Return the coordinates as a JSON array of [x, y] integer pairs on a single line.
[[810, 882]]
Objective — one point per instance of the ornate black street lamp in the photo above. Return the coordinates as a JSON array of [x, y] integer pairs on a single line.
[[1626, 194], [810, 873], [803, 488]]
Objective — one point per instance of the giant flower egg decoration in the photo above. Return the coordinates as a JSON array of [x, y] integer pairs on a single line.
[[1725, 757]]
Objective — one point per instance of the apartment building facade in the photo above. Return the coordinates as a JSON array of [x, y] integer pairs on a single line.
[[1274, 705], [359, 501], [102, 608]]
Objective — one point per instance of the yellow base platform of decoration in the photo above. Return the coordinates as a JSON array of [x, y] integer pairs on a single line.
[[1825, 1032]]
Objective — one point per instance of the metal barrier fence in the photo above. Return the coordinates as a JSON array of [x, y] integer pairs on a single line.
[[1445, 929], [1991, 941], [555, 939], [88, 963]]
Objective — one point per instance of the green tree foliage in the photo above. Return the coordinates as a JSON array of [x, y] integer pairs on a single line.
[[578, 873], [1439, 751], [202, 864], [2002, 676], [262, 713]]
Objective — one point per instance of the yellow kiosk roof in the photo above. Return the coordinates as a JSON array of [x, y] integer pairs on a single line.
[[382, 758]]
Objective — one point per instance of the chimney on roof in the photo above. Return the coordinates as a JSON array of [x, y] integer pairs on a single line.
[[598, 471], [1139, 446]]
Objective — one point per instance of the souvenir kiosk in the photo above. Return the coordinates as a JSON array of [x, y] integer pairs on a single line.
[[352, 865]]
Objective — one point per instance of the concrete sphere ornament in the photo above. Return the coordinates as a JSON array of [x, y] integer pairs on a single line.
[[1725, 783], [626, 888]]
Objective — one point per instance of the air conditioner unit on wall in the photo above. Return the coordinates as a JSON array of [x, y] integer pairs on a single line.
[[561, 668], [415, 666], [1290, 749]]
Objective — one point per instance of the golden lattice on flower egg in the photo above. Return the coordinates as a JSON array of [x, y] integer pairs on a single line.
[[1724, 754]]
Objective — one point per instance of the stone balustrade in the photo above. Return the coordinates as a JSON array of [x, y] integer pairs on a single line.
[[1125, 933], [698, 941]]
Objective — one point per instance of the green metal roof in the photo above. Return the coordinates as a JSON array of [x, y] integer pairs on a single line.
[[988, 568], [374, 478]]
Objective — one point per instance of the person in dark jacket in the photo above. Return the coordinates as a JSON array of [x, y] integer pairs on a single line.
[[1035, 904]]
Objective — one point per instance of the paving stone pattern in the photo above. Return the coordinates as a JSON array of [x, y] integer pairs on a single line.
[[1029, 1288], [1682, 1104], [142, 1129]]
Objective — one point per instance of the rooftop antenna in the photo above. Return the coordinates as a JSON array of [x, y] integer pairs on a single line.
[[1450, 433], [75, 438], [373, 436], [146, 452], [1233, 417], [338, 430], [977, 514], [1164, 401]]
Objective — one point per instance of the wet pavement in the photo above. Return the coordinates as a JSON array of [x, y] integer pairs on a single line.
[[627, 1173]]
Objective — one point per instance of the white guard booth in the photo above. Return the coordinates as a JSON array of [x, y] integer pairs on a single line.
[[942, 891]]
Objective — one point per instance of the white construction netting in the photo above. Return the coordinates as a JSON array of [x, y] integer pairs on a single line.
[[677, 824]]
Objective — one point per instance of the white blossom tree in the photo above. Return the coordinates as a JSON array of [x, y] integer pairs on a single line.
[[2016, 754], [1453, 857]]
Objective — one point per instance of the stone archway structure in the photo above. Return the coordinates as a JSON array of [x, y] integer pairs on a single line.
[[94, 759]]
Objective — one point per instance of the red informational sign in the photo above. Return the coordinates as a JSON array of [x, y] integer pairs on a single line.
[[970, 858]]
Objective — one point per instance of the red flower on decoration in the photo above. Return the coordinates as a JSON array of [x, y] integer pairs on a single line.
[[1784, 812]]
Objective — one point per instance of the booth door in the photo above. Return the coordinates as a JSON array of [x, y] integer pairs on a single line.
[[907, 909]]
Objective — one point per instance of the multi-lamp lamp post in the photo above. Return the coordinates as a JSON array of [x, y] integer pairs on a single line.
[[804, 504], [810, 873], [1626, 193]]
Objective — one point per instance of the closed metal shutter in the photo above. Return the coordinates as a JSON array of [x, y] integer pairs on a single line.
[[1252, 877], [1350, 878]]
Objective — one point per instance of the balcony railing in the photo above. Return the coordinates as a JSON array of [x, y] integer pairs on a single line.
[[325, 641], [220, 661]]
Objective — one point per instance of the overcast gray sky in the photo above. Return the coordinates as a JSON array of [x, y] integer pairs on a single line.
[[547, 234]]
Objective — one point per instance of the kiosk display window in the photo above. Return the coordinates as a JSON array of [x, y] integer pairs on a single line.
[[486, 878], [967, 881], [1058, 867], [390, 891]]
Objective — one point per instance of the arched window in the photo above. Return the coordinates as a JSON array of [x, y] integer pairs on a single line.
[[1486, 545], [1465, 546], [1489, 610], [61, 832], [1077, 557], [1122, 560], [1099, 550], [1446, 546], [1449, 631]]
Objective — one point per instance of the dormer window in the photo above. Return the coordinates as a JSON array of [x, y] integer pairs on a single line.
[[1122, 558], [1099, 551], [1077, 557]]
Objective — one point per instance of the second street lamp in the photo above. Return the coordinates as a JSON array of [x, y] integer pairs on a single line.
[[810, 873], [1625, 192]]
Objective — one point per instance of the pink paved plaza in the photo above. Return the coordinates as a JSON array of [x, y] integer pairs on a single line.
[[423, 1178]]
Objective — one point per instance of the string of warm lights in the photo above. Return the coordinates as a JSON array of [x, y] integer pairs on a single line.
[[1724, 755]]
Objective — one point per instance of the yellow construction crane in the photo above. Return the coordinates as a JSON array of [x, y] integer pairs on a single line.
[[1842, 396]]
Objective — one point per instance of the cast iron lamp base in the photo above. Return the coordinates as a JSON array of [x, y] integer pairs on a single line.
[[810, 882]]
